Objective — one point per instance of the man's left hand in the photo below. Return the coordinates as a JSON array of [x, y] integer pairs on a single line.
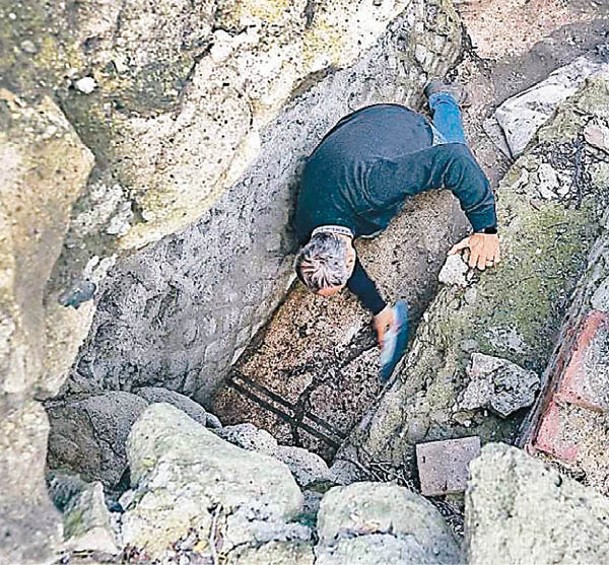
[[483, 250]]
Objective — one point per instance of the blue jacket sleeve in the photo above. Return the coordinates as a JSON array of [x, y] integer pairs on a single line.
[[364, 288], [450, 166]]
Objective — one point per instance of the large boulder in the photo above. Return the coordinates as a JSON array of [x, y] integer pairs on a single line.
[[519, 510], [88, 436], [43, 168], [377, 523], [189, 480]]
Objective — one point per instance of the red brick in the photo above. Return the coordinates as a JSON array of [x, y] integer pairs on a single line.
[[552, 438], [585, 380], [443, 465]]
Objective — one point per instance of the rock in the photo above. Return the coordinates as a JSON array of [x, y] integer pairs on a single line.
[[600, 298], [87, 523], [443, 465], [306, 467], [454, 271], [275, 553], [521, 116], [498, 384], [188, 479], [88, 436], [249, 437], [44, 167], [86, 85], [28, 46], [518, 510], [63, 487], [596, 134], [381, 523], [190, 407]]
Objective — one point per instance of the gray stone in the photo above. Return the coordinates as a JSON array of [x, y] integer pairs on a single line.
[[189, 480], [443, 465], [521, 116], [87, 523], [306, 467], [454, 271], [249, 437], [518, 510], [498, 384], [377, 522], [88, 436], [600, 298], [63, 487], [275, 553], [86, 85], [194, 410]]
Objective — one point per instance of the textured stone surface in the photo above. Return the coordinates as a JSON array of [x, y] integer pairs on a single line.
[[516, 309], [454, 271], [443, 465], [43, 168], [88, 436], [187, 479], [182, 310], [585, 381], [498, 384], [381, 523], [249, 437], [87, 523], [194, 410], [306, 467], [521, 116], [520, 511], [277, 553]]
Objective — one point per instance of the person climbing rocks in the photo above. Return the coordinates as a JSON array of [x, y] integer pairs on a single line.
[[359, 177]]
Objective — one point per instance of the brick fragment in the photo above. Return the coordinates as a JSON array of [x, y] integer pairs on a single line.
[[443, 465], [553, 438], [585, 380]]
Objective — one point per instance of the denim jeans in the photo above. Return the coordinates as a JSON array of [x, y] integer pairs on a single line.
[[446, 116]]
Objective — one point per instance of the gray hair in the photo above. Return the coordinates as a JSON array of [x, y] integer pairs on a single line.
[[322, 262]]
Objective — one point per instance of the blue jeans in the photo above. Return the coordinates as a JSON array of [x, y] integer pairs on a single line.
[[446, 116]]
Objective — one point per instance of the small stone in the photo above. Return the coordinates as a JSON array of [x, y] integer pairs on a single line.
[[600, 298], [453, 272], [597, 135], [86, 85], [498, 384], [442, 465], [547, 181], [28, 46]]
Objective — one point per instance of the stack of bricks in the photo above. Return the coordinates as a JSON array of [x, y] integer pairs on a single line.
[[573, 427]]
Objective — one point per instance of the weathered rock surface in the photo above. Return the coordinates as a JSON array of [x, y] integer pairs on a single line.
[[518, 510], [521, 116], [44, 166], [277, 553], [88, 436], [87, 523], [249, 437], [380, 523], [189, 480], [306, 467], [498, 384], [194, 410], [513, 311], [454, 271]]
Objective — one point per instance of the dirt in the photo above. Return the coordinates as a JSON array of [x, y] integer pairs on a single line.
[[309, 382]]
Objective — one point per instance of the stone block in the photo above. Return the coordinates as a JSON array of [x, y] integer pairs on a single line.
[[443, 465], [552, 438], [585, 381]]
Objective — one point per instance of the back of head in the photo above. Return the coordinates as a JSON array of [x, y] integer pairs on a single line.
[[322, 262]]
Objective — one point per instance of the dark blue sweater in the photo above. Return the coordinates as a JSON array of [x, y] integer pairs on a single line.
[[369, 164]]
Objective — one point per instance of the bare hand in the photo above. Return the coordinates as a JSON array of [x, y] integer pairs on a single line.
[[382, 322], [483, 250]]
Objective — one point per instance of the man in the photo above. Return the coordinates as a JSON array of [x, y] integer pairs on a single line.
[[358, 179]]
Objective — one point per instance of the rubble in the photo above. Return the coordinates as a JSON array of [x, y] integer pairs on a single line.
[[521, 116], [87, 523], [378, 523], [443, 465], [498, 384], [519, 510], [454, 271]]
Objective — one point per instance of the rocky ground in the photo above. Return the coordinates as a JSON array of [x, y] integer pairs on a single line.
[[300, 457]]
